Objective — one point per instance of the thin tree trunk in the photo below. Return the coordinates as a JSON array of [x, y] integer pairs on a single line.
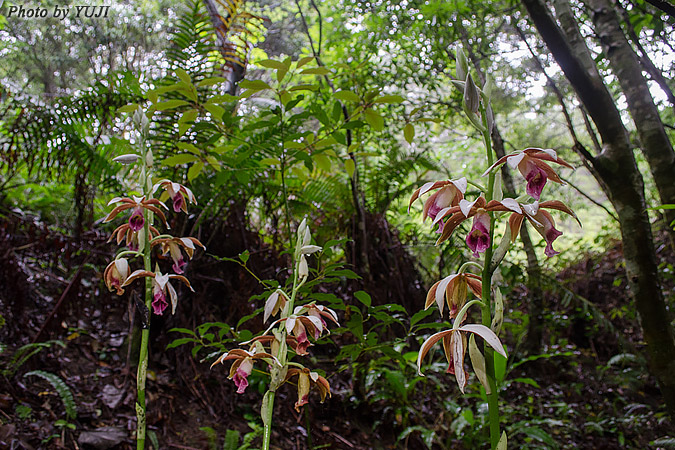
[[653, 138], [644, 57], [617, 167], [236, 68]]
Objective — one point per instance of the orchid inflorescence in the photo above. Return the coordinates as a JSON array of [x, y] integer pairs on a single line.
[[293, 330], [133, 232], [448, 208]]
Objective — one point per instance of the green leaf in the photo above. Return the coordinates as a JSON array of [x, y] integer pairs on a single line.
[[254, 85], [348, 96], [409, 132], [363, 297], [180, 341], [304, 87], [374, 119], [350, 167], [322, 160], [389, 99], [131, 107], [170, 104], [189, 147], [211, 81], [182, 330], [420, 315], [195, 170], [303, 61], [501, 445], [273, 64], [183, 75], [316, 71], [215, 110], [183, 158]]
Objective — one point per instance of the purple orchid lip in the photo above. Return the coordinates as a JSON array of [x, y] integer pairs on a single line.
[[536, 180], [478, 238], [159, 303], [178, 202], [240, 380], [178, 266], [136, 220]]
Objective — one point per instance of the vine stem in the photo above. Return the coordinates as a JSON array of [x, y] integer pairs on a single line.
[[486, 316]]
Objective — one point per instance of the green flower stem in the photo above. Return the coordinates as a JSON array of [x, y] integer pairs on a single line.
[[267, 412], [493, 400], [145, 333]]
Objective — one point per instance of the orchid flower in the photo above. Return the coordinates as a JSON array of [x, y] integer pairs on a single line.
[[116, 274], [306, 378], [478, 238], [173, 245], [454, 288], [449, 193], [317, 311], [541, 220], [532, 164], [178, 194], [160, 288], [136, 220], [131, 238], [454, 345], [274, 303], [243, 363]]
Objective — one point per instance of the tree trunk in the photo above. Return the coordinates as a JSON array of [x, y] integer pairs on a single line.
[[625, 64], [617, 167], [236, 68]]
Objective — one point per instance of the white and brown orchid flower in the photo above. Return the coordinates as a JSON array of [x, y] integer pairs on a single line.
[[448, 193], [160, 288], [532, 163], [179, 194], [138, 204], [454, 346]]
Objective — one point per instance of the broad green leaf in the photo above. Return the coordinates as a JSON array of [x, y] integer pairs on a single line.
[[348, 96], [189, 147], [294, 144], [195, 170], [254, 85], [273, 64], [270, 162], [169, 104], [322, 161], [213, 162], [350, 167], [304, 87], [374, 119], [189, 116], [316, 71], [419, 315], [389, 99], [215, 110], [303, 61], [179, 159], [211, 81], [131, 107], [409, 132], [363, 297], [183, 75]]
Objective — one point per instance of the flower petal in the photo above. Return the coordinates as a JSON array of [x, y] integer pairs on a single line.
[[487, 334]]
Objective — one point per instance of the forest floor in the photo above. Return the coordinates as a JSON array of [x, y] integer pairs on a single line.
[[579, 394]]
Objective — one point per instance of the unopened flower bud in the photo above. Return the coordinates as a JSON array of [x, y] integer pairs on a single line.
[[462, 65], [126, 159], [471, 95]]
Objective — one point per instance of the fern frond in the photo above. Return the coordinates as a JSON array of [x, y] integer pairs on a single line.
[[61, 388]]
